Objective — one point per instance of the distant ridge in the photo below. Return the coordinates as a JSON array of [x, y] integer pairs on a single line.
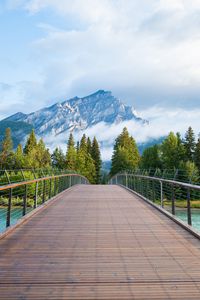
[[78, 114]]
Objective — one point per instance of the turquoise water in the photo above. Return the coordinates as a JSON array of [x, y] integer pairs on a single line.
[[182, 214], [16, 214]]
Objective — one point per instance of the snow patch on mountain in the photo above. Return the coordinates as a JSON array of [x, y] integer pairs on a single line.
[[78, 114]]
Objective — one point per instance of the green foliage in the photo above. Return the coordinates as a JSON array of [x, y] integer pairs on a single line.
[[19, 130], [96, 155], [35, 155], [172, 151], [89, 146], [197, 154], [7, 154], [58, 159], [190, 144], [19, 158], [191, 171], [126, 154], [71, 154], [85, 164], [31, 143], [42, 156], [83, 144], [151, 158]]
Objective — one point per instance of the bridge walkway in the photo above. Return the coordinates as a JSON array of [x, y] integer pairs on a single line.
[[99, 242]]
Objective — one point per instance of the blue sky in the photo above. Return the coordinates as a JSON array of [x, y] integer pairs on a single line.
[[145, 51]]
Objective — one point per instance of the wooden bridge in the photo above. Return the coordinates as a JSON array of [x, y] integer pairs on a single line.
[[99, 242]]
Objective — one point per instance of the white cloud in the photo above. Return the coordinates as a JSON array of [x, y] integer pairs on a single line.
[[146, 51], [161, 122]]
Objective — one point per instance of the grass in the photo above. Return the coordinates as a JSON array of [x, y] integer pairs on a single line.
[[18, 202], [181, 203]]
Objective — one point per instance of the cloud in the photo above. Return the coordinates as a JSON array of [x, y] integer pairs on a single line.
[[161, 122], [146, 50]]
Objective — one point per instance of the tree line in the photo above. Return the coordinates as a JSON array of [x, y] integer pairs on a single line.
[[84, 158], [173, 153]]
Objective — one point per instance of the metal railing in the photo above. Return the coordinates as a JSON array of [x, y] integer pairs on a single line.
[[8, 176], [19, 198], [180, 175], [178, 198]]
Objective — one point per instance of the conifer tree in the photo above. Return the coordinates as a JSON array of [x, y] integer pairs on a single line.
[[58, 159], [84, 163], [89, 146], [126, 154], [151, 158], [197, 154], [190, 144], [7, 154], [96, 155], [31, 143], [43, 156], [77, 146], [19, 157], [71, 154], [83, 143], [169, 149]]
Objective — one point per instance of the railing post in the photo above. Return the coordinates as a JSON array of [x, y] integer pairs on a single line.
[[116, 179], [25, 201], [36, 195], [9, 208], [126, 180], [161, 194], [50, 186], [44, 191], [189, 218]]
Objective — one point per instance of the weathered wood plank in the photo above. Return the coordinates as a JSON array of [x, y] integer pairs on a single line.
[[99, 242]]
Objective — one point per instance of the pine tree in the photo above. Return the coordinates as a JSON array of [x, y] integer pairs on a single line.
[[43, 156], [197, 154], [19, 158], [126, 155], [96, 155], [83, 143], [181, 152], [58, 159], [151, 158], [77, 146], [89, 146], [70, 142], [31, 143], [7, 154], [190, 144], [84, 162], [170, 155], [71, 155]]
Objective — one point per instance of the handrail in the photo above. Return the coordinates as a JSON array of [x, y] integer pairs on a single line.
[[174, 182], [8, 176], [18, 184], [19, 198], [164, 192]]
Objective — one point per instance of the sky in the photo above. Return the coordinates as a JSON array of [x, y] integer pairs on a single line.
[[147, 52]]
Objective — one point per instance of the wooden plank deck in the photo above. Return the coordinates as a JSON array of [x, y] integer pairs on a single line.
[[99, 242]]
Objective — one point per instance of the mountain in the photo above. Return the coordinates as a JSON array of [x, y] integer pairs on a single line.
[[19, 130], [78, 114], [151, 142]]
